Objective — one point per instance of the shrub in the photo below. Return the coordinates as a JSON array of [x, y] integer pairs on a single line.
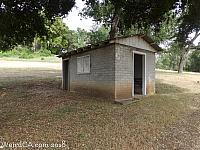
[[26, 56], [10, 53], [25, 53], [44, 53]]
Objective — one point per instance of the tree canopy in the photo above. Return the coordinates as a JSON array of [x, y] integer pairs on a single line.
[[189, 21], [21, 20], [150, 15], [123, 14]]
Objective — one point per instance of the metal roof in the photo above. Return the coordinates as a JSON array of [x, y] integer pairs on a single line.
[[107, 43]]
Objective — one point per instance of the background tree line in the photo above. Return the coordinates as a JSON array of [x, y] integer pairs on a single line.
[[176, 22], [58, 37]]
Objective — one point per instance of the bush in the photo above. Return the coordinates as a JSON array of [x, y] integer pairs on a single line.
[[25, 53], [26, 56], [11, 53], [23, 49], [44, 53]]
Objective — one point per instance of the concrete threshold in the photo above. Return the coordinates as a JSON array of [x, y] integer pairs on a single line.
[[127, 101]]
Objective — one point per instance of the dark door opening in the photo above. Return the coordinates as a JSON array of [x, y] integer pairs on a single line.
[[65, 74], [138, 74]]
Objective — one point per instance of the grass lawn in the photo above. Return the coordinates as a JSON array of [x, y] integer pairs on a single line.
[[33, 108], [38, 59]]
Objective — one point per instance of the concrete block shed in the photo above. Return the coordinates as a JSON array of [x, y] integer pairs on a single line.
[[118, 69]]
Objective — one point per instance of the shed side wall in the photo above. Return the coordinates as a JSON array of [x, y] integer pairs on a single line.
[[100, 81]]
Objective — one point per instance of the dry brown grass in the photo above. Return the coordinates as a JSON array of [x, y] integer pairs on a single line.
[[34, 108], [189, 81]]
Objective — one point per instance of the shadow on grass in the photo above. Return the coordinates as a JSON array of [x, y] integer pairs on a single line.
[[164, 88]]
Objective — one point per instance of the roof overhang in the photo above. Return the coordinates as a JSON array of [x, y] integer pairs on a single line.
[[146, 38]]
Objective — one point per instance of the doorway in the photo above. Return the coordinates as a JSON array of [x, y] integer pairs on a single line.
[[139, 74], [65, 74]]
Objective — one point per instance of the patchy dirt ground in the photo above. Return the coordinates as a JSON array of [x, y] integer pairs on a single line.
[[33, 108]]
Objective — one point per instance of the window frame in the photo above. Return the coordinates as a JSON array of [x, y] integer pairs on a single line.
[[82, 61]]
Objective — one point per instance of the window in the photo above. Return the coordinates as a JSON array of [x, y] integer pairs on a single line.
[[83, 64]]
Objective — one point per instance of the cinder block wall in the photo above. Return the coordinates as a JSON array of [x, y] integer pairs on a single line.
[[111, 72], [100, 81], [124, 71]]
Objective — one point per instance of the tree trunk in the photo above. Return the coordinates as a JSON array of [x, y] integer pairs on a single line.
[[114, 24], [182, 61], [185, 52]]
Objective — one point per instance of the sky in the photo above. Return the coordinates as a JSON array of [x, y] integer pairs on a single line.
[[73, 21]]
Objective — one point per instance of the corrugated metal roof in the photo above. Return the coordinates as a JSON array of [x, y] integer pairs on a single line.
[[108, 42]]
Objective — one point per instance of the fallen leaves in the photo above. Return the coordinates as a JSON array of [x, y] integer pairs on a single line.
[[36, 109]]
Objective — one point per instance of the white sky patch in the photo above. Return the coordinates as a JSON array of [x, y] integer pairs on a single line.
[[197, 40], [74, 21]]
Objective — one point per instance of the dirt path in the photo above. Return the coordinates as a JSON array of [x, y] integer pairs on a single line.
[[23, 64]]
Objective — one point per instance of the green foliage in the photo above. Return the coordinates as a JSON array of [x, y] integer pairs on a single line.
[[21, 20], [189, 21], [169, 59], [83, 38], [43, 53], [193, 63], [24, 55], [58, 33], [98, 35], [163, 36], [146, 14], [24, 52], [59, 36], [125, 14]]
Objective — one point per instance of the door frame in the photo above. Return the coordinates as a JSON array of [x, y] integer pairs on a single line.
[[143, 72], [65, 74]]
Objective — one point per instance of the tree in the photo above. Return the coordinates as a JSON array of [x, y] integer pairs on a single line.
[[169, 59], [83, 38], [121, 15], [190, 24], [58, 36], [98, 35], [21, 20], [194, 62], [185, 47]]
